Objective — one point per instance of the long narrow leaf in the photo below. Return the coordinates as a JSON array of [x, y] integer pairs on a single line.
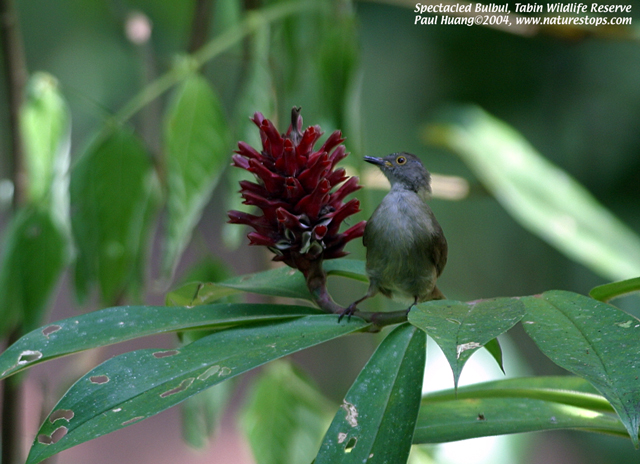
[[139, 384], [282, 281], [114, 325], [613, 290], [539, 195], [197, 152], [594, 340], [460, 419], [378, 415]]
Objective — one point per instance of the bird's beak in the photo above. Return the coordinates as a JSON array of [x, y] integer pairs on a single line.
[[377, 161]]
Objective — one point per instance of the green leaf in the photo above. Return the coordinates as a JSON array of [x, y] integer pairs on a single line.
[[613, 290], [377, 417], [514, 406], [566, 389], [114, 325], [112, 192], [285, 417], [197, 152], [337, 61], [460, 328], [283, 281], [202, 413], [559, 210], [494, 349], [594, 340], [45, 123], [139, 384], [35, 254]]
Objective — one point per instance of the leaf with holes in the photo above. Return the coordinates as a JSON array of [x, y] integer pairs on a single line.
[[594, 340], [197, 152], [285, 417], [377, 417], [114, 325], [514, 406], [283, 281], [133, 386], [462, 328]]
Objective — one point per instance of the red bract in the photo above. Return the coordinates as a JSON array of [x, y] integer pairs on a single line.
[[300, 192]]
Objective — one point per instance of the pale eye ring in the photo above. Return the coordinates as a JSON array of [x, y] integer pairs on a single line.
[[400, 160]]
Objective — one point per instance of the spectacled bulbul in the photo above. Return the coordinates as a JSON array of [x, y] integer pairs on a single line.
[[406, 248]]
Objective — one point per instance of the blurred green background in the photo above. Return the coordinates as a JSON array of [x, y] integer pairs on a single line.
[[382, 80]]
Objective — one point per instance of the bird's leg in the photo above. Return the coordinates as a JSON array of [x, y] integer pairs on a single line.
[[415, 302]]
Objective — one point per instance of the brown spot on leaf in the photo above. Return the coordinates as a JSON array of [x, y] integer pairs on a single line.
[[165, 354], [99, 379], [186, 383]]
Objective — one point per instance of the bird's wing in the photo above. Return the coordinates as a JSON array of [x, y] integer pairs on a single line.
[[439, 252]]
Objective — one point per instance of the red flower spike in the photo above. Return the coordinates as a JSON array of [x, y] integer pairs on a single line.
[[337, 176], [310, 177], [293, 189], [247, 151], [312, 203], [301, 195], [309, 138], [271, 180], [350, 186], [259, 239], [249, 186]]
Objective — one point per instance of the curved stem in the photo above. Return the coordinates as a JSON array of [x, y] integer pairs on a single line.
[[316, 279]]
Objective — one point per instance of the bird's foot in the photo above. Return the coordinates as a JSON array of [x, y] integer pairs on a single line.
[[348, 311]]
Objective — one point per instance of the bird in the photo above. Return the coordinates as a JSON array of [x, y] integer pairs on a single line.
[[406, 247]]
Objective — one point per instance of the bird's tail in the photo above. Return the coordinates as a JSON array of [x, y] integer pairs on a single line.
[[436, 294]]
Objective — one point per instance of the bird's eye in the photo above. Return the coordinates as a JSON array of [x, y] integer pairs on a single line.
[[400, 160]]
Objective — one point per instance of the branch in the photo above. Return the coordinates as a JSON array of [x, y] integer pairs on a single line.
[[15, 78]]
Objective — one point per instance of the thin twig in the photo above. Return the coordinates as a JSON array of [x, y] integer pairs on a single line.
[[200, 24]]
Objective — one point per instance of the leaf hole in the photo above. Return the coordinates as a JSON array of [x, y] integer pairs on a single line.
[[64, 414], [54, 437], [99, 379], [50, 330], [351, 443], [165, 354], [28, 356], [186, 383]]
